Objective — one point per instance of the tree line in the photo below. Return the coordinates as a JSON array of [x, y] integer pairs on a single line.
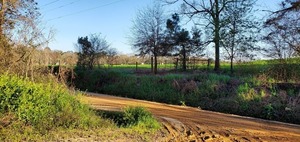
[[230, 27]]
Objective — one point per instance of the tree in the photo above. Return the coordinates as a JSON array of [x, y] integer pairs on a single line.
[[20, 35], [288, 6], [148, 32], [239, 34], [180, 39], [13, 12], [283, 31], [212, 11], [90, 49], [111, 55], [69, 58], [197, 42]]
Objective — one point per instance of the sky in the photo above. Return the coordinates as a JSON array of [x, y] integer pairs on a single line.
[[71, 19]]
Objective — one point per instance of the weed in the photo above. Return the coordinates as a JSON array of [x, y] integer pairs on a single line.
[[269, 111]]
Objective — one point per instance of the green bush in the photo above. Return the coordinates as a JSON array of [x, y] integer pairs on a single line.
[[137, 118], [135, 115], [44, 106]]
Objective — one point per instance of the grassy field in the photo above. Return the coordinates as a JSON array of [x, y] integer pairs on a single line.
[[264, 89]]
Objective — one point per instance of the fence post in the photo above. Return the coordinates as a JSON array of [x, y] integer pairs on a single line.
[[136, 66], [176, 65], [152, 70], [208, 64], [194, 67]]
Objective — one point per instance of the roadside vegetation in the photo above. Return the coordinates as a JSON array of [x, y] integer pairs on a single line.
[[258, 89], [40, 111]]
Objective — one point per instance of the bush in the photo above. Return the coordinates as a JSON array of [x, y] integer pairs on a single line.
[[43, 106], [286, 70], [137, 118]]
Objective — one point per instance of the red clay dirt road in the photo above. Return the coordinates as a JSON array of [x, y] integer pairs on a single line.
[[192, 124]]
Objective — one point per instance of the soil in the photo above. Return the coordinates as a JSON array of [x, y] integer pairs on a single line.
[[181, 123]]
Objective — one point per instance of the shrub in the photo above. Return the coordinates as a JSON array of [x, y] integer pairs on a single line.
[[135, 115], [137, 118], [287, 70], [269, 111]]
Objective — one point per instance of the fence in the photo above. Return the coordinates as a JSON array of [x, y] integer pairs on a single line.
[[176, 63]]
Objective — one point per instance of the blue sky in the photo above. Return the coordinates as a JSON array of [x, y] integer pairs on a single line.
[[112, 18]]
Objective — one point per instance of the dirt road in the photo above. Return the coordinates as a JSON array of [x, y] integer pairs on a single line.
[[192, 124]]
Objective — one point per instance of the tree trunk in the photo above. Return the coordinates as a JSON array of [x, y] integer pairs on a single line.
[[217, 36], [155, 64], [233, 46], [152, 67], [176, 64], [2, 16], [184, 59], [231, 64]]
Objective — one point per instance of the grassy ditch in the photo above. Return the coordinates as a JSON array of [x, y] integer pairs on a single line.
[[32, 111], [250, 95]]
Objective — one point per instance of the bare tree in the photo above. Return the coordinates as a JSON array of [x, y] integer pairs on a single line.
[[287, 6], [69, 58], [21, 35], [111, 55], [90, 49], [240, 32], [14, 12], [283, 31], [148, 32]]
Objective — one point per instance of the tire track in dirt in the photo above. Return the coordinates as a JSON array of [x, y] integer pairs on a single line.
[[192, 124]]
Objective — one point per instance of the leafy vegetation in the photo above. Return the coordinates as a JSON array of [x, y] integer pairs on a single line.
[[43, 106], [30, 111]]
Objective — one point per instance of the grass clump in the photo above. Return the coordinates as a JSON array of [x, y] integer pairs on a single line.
[[139, 117], [135, 118]]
